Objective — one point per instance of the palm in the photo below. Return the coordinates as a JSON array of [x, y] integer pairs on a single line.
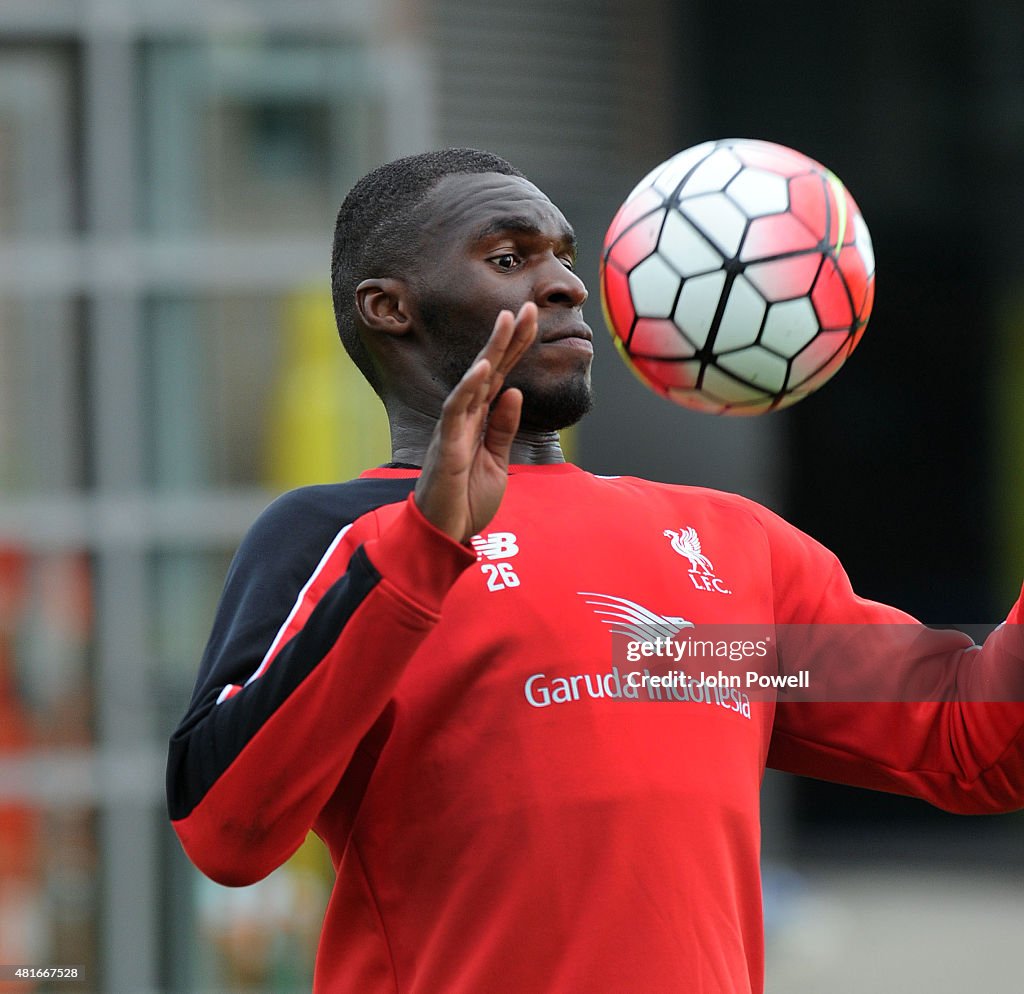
[[466, 466]]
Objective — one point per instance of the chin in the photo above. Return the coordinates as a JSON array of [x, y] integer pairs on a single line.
[[556, 407]]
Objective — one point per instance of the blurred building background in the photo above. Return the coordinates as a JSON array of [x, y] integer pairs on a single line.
[[169, 173]]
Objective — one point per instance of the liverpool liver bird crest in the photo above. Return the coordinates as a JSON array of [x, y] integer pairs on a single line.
[[687, 543]]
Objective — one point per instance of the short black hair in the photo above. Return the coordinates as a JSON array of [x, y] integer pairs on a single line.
[[374, 234]]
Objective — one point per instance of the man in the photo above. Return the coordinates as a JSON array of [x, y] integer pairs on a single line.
[[417, 664]]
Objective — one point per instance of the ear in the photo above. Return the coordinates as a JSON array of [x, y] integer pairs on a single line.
[[383, 305]]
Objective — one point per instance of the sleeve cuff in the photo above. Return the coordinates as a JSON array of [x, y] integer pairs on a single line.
[[419, 560]]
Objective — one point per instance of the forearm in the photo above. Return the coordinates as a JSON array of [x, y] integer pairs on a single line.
[[247, 776], [896, 706]]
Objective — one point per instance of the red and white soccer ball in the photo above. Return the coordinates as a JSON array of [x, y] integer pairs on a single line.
[[737, 277]]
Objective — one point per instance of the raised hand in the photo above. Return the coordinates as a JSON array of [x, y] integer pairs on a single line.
[[466, 466]]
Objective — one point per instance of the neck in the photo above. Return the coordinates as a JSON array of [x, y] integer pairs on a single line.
[[536, 447], [411, 434]]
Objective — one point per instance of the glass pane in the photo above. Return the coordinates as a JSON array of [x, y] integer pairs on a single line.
[[42, 414], [256, 391], [245, 138], [48, 831], [36, 179]]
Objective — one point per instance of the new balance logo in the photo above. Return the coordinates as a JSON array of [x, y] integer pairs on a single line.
[[497, 545]]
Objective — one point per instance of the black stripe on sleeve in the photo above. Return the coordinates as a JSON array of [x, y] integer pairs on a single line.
[[212, 737], [273, 563]]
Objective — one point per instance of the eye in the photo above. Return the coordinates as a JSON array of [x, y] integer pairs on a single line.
[[506, 261], [569, 262]]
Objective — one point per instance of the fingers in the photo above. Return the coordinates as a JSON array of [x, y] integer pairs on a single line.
[[466, 463], [524, 332], [481, 383], [506, 346], [503, 425], [470, 393]]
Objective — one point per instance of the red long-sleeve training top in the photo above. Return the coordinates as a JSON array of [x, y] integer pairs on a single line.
[[505, 811]]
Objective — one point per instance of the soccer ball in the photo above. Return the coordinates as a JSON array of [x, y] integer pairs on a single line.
[[737, 277]]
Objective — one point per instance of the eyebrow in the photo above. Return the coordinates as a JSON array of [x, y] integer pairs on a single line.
[[524, 226]]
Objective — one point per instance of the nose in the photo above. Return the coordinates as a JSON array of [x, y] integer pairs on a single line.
[[559, 286]]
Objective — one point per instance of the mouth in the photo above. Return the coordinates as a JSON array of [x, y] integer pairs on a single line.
[[577, 335]]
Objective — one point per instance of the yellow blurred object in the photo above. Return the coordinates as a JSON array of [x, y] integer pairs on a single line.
[[325, 424], [567, 438]]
